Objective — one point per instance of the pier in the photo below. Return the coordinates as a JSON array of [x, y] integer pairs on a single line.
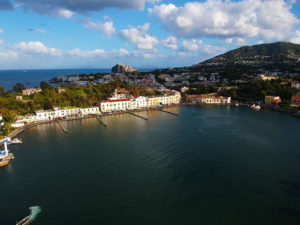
[[5, 156], [162, 110], [142, 117], [101, 121], [62, 126]]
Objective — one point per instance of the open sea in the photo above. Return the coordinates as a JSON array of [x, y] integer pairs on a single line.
[[210, 165], [32, 78]]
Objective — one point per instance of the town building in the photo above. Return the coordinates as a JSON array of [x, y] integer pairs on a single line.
[[140, 102], [1, 118], [295, 101], [19, 98], [212, 98], [295, 84], [267, 77], [272, 101], [31, 91], [114, 105]]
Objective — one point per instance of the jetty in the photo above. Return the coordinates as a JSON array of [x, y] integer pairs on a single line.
[[62, 126], [101, 121], [142, 117], [162, 110], [5, 156]]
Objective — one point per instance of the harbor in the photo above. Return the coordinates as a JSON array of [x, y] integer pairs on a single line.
[[164, 161]]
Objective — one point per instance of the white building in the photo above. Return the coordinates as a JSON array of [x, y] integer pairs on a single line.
[[210, 99], [115, 105], [141, 102], [31, 91], [66, 113], [1, 118], [90, 111], [295, 84]]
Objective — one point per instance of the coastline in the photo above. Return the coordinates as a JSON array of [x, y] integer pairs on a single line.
[[20, 130]]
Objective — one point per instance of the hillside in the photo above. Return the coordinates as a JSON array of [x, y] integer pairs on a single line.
[[264, 53]]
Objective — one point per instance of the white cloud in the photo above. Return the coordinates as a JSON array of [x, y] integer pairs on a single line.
[[138, 36], [67, 8], [199, 46], [65, 13], [1, 30], [241, 42], [271, 20], [107, 27], [170, 42], [37, 30], [36, 48], [296, 37], [1, 41], [228, 40]]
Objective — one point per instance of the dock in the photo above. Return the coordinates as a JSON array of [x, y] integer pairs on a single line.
[[62, 126], [6, 160], [142, 117], [162, 110], [5, 156], [101, 121]]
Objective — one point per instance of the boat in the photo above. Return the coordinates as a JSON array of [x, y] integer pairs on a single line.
[[237, 104], [5, 155], [35, 210], [24, 221], [257, 107], [15, 141], [296, 114]]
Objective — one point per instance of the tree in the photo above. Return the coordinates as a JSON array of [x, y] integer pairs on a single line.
[[44, 85], [2, 91], [47, 105], [19, 88]]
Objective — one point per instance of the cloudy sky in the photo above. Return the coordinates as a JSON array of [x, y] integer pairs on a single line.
[[141, 33]]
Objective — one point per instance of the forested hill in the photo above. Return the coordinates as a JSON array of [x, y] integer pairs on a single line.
[[264, 53]]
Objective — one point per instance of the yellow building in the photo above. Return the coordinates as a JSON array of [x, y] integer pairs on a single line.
[[272, 99], [267, 77], [153, 102]]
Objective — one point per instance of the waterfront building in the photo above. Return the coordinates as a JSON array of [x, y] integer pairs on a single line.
[[31, 91], [273, 101], [90, 111], [295, 100], [212, 98], [114, 105], [153, 102], [140, 102]]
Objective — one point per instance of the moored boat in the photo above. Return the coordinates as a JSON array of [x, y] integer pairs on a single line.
[[24, 221], [15, 141], [296, 114]]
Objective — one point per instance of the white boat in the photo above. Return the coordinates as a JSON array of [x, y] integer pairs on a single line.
[[15, 141], [24, 221], [237, 104]]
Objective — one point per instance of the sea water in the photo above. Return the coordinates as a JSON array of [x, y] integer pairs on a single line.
[[242, 168]]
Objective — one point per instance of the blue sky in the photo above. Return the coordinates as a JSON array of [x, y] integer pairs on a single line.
[[141, 33]]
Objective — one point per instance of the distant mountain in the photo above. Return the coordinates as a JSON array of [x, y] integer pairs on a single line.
[[279, 52]]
